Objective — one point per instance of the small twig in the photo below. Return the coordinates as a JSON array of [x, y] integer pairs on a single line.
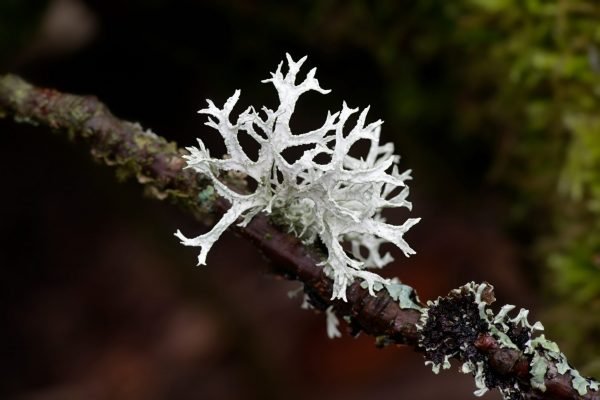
[[157, 164]]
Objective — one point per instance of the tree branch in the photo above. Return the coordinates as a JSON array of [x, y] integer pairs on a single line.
[[157, 164]]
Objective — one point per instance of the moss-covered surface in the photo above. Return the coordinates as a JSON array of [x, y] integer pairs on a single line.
[[131, 150]]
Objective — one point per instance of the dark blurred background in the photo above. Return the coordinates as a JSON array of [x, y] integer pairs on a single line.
[[492, 103]]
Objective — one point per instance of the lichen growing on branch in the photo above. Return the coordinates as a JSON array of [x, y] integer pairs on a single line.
[[326, 194], [452, 326], [458, 326]]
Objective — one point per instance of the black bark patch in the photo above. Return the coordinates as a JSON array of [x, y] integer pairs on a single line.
[[452, 328]]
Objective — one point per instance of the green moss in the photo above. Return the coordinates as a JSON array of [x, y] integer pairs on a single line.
[[78, 113], [16, 87]]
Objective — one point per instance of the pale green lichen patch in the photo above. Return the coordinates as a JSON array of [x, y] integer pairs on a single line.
[[404, 295], [546, 352], [579, 383], [545, 344], [562, 366], [539, 366]]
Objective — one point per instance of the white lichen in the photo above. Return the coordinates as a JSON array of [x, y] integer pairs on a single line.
[[336, 201], [332, 324], [435, 368], [480, 380]]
